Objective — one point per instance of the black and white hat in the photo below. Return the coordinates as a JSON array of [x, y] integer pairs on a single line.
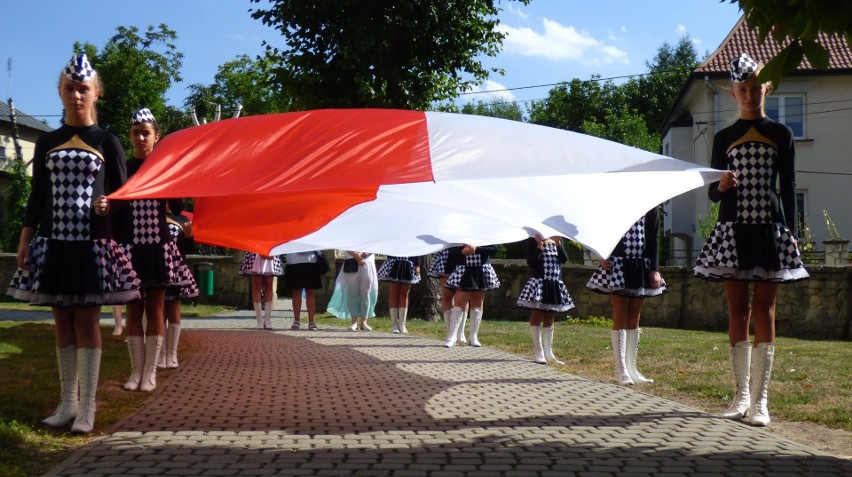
[[79, 69], [142, 115], [743, 68]]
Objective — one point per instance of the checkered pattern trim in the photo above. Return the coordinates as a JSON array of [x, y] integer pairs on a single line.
[[547, 293], [463, 275], [439, 263], [174, 229], [720, 249], [79, 69], [752, 163], [742, 68], [72, 175], [146, 221], [634, 239], [718, 259], [114, 270], [142, 115], [254, 264], [398, 269], [27, 280]]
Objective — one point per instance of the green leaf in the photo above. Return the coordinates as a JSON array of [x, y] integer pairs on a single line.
[[816, 54]]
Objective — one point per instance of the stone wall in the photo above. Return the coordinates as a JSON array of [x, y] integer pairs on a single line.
[[814, 308]]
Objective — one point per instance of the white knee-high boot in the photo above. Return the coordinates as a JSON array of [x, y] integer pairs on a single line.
[[172, 339], [88, 369], [267, 315], [161, 363], [632, 349], [460, 335], [475, 321], [455, 321], [258, 313], [538, 351], [394, 315], [153, 346], [547, 344], [69, 397], [740, 354], [447, 321], [762, 357], [401, 317], [619, 354], [136, 349]]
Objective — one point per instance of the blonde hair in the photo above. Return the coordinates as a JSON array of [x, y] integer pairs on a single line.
[[99, 85]]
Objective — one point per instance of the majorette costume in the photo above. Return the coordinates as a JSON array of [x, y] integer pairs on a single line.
[[756, 233], [74, 260], [399, 270], [545, 291], [470, 273], [629, 275], [157, 261]]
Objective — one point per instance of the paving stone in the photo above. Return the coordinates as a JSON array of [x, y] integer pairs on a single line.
[[335, 403]]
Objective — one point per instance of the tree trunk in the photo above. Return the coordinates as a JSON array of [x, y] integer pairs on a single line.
[[424, 300]]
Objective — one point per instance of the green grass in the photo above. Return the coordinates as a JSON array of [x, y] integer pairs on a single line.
[[29, 391], [812, 380]]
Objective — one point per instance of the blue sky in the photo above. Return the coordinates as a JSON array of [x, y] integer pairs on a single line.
[[548, 41]]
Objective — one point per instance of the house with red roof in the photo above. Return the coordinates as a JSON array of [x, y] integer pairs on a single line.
[[815, 104]]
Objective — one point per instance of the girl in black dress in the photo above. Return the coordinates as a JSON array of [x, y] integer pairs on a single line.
[[545, 293], [67, 258], [755, 238], [400, 273], [155, 258], [629, 276], [471, 277]]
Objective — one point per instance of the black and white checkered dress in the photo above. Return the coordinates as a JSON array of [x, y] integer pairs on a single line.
[[190, 287], [754, 236], [153, 250], [473, 272], [74, 260], [254, 264], [633, 260], [545, 290], [400, 270]]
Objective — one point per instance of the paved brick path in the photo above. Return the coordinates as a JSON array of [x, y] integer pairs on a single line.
[[336, 402]]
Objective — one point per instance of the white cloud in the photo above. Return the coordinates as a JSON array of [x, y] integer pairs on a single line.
[[517, 11], [488, 91], [681, 31], [560, 43]]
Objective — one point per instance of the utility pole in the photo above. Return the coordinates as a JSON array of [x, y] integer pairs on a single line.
[[18, 150]]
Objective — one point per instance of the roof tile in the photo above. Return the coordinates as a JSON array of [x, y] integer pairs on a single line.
[[744, 39]]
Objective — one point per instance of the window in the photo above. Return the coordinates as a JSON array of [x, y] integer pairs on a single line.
[[789, 110]]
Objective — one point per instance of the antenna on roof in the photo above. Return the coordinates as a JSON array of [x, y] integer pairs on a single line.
[[9, 69]]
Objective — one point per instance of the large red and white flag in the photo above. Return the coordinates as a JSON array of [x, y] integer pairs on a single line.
[[404, 183]]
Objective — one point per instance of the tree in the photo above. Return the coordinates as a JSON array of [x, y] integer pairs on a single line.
[[654, 94], [799, 22], [245, 82], [352, 53], [569, 105], [136, 71], [15, 202], [625, 128], [496, 108]]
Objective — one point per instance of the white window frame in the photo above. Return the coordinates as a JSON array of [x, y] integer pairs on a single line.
[[782, 111]]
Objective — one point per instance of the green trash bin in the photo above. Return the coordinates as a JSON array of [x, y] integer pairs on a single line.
[[205, 279]]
